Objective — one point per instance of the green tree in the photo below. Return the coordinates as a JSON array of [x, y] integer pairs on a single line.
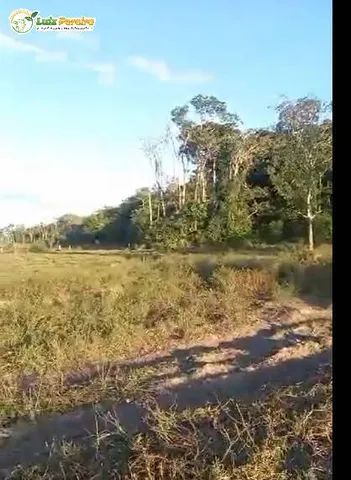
[[205, 127], [302, 157]]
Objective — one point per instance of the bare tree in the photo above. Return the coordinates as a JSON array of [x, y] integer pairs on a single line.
[[153, 151]]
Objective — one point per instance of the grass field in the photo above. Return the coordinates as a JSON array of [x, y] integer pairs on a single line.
[[63, 313]]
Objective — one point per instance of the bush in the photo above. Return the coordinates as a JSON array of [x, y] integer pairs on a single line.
[[273, 231], [294, 229], [307, 276], [290, 273], [238, 290], [323, 229], [39, 247]]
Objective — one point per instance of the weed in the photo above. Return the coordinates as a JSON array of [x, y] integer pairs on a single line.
[[286, 436]]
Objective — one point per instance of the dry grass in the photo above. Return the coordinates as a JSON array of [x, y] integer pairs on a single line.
[[287, 436], [60, 313]]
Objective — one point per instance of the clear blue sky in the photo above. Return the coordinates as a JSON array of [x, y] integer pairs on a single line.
[[73, 110]]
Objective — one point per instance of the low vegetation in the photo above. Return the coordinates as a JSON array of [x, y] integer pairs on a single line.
[[68, 318], [70, 310], [286, 436]]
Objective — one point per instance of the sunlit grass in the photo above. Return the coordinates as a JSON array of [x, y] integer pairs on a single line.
[[60, 312]]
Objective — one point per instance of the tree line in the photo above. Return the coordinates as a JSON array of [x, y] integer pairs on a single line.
[[230, 184]]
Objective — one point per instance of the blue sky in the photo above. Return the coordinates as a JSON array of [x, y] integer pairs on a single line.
[[75, 108]]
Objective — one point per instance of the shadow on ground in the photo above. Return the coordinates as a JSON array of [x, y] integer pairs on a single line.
[[245, 351], [30, 442]]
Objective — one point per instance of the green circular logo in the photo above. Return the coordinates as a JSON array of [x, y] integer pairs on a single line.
[[21, 20]]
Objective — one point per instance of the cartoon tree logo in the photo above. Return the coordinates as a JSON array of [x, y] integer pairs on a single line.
[[22, 21]]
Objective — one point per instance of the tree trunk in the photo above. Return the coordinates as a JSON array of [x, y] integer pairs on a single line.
[[203, 190], [179, 206], [184, 180], [196, 187], [214, 167], [163, 204], [310, 218], [150, 210], [310, 234]]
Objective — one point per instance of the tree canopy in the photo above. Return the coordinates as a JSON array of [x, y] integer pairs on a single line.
[[232, 183]]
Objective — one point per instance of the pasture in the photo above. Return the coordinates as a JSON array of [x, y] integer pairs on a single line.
[[69, 321]]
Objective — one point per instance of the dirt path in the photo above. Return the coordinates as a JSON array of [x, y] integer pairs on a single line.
[[288, 346]]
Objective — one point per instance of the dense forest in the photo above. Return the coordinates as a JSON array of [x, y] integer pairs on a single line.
[[232, 185]]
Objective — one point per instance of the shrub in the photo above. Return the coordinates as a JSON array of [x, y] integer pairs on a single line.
[[39, 247], [238, 290], [323, 229], [273, 231]]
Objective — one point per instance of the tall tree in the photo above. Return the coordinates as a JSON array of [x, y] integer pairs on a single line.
[[302, 157], [204, 125], [153, 150]]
